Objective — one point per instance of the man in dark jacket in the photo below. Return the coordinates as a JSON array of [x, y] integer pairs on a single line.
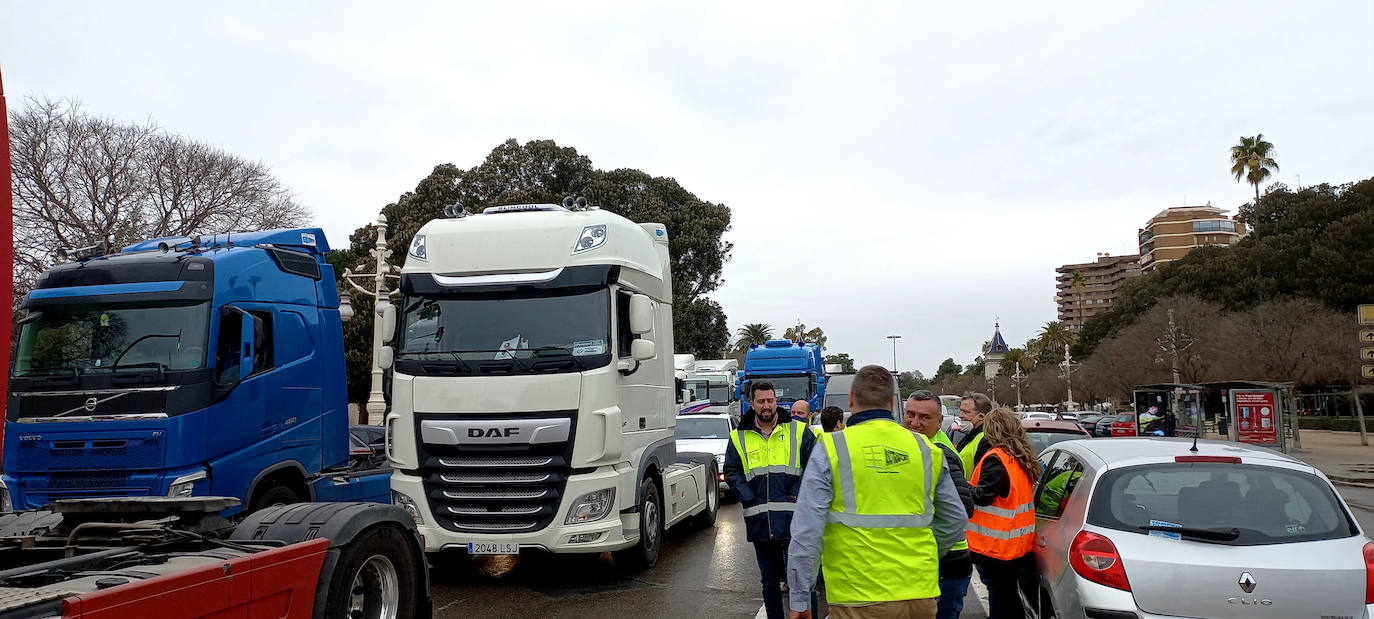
[[923, 415], [763, 466]]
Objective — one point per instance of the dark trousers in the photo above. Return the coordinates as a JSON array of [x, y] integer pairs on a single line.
[[1007, 582], [772, 556]]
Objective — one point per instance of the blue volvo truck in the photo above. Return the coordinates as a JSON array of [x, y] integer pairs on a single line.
[[186, 367], [797, 371]]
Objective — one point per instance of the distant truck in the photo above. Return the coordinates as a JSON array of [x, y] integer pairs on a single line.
[[184, 367], [533, 403], [714, 383], [837, 386], [796, 370]]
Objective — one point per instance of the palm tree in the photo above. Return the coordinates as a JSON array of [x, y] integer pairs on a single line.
[[1253, 159], [1054, 336], [753, 333], [1077, 282]]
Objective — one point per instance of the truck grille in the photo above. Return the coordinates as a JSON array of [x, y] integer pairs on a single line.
[[495, 488]]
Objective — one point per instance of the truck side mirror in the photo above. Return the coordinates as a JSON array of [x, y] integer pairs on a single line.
[[385, 357], [641, 315], [389, 323], [250, 334], [642, 350]]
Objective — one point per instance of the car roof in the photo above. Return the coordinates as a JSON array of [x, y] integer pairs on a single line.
[[1130, 451], [703, 416], [1050, 425]]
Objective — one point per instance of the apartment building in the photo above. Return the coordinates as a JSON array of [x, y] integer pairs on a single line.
[[1101, 282], [1174, 232]]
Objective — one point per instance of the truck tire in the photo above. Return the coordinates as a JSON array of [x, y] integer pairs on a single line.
[[273, 495], [707, 518], [373, 578], [644, 553]]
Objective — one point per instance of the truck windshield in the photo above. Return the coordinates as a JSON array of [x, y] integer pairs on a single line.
[[790, 388], [86, 339], [716, 392], [510, 332]]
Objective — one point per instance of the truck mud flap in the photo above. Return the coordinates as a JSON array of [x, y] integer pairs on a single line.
[[341, 523]]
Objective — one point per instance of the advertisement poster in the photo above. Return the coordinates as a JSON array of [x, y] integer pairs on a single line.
[[1257, 418]]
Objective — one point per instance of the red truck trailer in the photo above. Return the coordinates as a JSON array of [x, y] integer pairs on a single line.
[[160, 557]]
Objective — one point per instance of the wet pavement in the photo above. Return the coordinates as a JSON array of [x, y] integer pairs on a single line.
[[700, 573]]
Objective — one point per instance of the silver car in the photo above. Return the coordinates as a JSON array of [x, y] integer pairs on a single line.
[[1146, 527]]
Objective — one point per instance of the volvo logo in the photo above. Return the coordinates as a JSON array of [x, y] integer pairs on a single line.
[[91, 403], [1247, 582]]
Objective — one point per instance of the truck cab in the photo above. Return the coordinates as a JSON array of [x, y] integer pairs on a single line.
[[796, 370], [533, 388], [182, 367], [715, 383]]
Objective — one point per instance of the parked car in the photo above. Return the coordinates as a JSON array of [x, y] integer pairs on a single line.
[[1043, 433], [1038, 415], [1089, 422], [1104, 425], [707, 433], [1124, 425], [1147, 527]]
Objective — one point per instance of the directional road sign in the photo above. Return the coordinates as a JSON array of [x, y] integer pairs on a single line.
[[1367, 354], [1367, 336], [1367, 314], [1367, 371]]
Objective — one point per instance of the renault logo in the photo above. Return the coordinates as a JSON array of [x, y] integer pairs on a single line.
[[1247, 582], [91, 404]]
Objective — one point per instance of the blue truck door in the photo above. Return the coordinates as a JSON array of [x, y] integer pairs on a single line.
[[253, 411]]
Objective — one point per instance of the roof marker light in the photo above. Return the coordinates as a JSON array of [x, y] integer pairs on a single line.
[[592, 237]]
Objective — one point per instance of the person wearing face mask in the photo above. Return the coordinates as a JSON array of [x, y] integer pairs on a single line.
[[972, 410], [763, 467]]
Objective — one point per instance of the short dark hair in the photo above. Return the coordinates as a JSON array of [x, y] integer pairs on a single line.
[[981, 402], [831, 416], [922, 395], [759, 385], [872, 388]]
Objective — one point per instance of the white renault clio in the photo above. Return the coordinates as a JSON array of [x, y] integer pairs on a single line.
[[1143, 528]]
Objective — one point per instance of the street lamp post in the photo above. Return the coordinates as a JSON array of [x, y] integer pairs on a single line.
[[1068, 377], [894, 339], [1016, 379], [381, 298]]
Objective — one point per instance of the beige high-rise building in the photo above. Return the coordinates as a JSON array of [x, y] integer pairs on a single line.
[[1102, 281], [1174, 232]]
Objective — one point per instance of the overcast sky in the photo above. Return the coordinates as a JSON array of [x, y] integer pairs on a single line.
[[893, 169]]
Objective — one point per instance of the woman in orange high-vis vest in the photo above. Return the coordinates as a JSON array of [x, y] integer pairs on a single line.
[[1002, 525]]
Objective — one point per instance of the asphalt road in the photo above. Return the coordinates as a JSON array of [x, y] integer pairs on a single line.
[[700, 573]]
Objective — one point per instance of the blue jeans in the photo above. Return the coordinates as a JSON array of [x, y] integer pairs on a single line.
[[772, 556], [952, 594]]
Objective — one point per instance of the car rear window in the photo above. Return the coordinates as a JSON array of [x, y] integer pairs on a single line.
[[1042, 439], [1266, 505], [1125, 418]]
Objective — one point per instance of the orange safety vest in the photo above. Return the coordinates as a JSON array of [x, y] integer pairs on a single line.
[[1004, 529]]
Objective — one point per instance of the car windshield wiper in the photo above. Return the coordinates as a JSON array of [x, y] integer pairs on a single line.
[[1220, 535], [560, 351], [150, 336], [160, 367]]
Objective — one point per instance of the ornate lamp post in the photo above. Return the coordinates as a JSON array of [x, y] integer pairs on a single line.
[[1068, 366], [1016, 379], [381, 298]]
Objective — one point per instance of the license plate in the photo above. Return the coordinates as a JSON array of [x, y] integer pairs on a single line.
[[493, 548]]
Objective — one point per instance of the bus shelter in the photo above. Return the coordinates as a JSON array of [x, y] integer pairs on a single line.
[[1253, 412], [1155, 404]]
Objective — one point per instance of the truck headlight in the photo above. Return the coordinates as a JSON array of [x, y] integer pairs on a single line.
[[409, 505], [6, 504], [186, 484], [418, 247], [591, 507]]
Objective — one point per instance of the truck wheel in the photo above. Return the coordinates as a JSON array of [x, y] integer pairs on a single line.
[[644, 554], [374, 578], [274, 495], [707, 518]]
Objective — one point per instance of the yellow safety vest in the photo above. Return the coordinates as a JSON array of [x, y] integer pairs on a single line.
[[967, 454], [943, 439], [779, 453], [878, 543]]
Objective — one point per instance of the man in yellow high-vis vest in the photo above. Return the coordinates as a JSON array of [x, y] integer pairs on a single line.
[[876, 511], [973, 408], [923, 415]]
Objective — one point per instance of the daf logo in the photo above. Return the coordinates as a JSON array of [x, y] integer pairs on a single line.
[[1247, 582], [91, 403], [493, 432]]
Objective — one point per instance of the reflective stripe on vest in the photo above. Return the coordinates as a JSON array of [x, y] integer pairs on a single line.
[[776, 506], [942, 439], [1003, 530], [781, 450], [878, 545]]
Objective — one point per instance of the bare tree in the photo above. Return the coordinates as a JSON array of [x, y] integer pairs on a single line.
[[80, 180]]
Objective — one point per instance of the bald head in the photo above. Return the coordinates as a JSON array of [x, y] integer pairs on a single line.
[[801, 411]]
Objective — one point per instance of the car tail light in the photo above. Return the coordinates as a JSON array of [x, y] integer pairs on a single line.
[[1222, 459], [1369, 573], [1094, 557]]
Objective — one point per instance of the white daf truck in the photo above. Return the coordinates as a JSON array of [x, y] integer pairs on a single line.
[[533, 399], [715, 381]]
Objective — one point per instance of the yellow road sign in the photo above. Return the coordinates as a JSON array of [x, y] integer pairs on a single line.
[[1367, 371], [1367, 354], [1367, 314], [1367, 336]]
